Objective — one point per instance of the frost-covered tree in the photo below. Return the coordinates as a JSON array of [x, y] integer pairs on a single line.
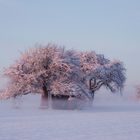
[[99, 71], [56, 72], [35, 71]]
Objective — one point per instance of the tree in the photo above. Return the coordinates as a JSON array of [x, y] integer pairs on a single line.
[[54, 71], [138, 92], [35, 71], [99, 71]]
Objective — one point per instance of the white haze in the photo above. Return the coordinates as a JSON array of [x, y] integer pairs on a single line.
[[111, 117]]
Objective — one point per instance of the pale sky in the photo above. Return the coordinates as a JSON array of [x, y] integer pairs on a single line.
[[111, 27]]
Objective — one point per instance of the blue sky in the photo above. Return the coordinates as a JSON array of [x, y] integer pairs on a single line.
[[111, 27]]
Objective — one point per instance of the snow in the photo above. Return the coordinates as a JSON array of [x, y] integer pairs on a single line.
[[110, 118]]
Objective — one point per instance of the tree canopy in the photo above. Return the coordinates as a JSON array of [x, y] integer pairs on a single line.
[[54, 70]]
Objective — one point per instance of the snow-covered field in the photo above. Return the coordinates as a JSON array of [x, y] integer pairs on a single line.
[[111, 118]]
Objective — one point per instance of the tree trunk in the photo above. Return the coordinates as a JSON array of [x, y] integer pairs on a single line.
[[45, 98], [92, 87], [90, 102], [92, 95]]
